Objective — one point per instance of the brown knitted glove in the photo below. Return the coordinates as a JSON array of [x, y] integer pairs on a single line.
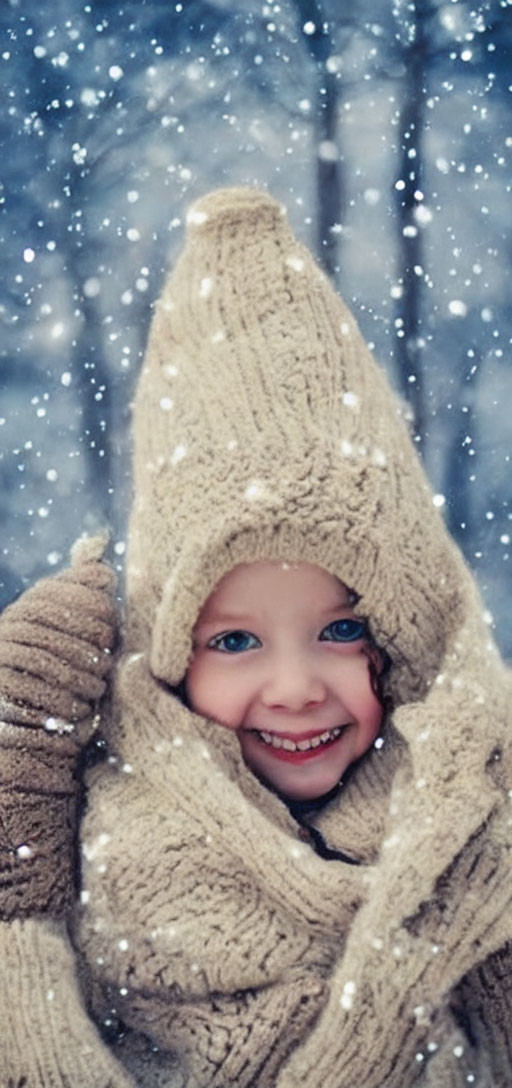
[[56, 646]]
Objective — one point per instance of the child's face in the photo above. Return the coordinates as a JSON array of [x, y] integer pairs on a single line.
[[280, 658]]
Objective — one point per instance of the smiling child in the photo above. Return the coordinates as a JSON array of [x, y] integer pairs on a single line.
[[281, 658], [296, 856]]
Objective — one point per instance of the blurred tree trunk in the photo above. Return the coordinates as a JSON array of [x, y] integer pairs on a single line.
[[461, 463], [408, 201], [90, 371], [92, 383], [330, 196], [457, 486], [63, 220]]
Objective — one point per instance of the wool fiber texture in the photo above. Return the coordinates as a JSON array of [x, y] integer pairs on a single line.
[[213, 946], [265, 429]]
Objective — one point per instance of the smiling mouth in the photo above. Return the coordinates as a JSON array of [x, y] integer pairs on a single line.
[[307, 745]]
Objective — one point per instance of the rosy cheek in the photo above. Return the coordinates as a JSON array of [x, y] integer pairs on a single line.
[[211, 694]]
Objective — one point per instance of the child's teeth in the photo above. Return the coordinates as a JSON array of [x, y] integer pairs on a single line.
[[302, 745]]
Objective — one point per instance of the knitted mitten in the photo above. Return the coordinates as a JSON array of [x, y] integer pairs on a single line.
[[55, 652], [48, 1041]]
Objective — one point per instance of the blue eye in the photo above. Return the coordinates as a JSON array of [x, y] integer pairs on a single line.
[[234, 642], [348, 630]]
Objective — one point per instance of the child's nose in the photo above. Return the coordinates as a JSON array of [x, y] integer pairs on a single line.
[[293, 685]]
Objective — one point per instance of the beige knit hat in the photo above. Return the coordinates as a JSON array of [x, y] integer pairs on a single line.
[[264, 429]]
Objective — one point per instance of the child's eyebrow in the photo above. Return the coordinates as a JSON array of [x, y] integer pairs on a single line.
[[347, 602], [229, 619], [225, 619]]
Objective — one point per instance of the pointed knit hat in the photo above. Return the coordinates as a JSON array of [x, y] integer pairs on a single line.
[[264, 429]]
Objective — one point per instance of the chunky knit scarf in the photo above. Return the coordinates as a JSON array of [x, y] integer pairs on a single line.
[[216, 944], [265, 429]]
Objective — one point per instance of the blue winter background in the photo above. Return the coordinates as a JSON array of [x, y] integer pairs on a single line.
[[386, 128]]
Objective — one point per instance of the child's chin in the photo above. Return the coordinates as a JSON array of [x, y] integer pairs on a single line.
[[313, 793], [296, 788]]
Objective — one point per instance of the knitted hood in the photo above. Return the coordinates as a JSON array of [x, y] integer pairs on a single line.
[[264, 429]]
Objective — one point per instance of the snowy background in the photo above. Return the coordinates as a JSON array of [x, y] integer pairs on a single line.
[[386, 128]]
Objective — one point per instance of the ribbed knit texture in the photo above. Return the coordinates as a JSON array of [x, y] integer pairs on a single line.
[[265, 429], [55, 651], [47, 1039], [227, 951]]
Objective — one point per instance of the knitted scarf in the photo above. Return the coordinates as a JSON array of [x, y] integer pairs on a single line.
[[227, 948]]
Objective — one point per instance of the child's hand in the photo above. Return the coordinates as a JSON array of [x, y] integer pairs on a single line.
[[56, 646], [56, 643]]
